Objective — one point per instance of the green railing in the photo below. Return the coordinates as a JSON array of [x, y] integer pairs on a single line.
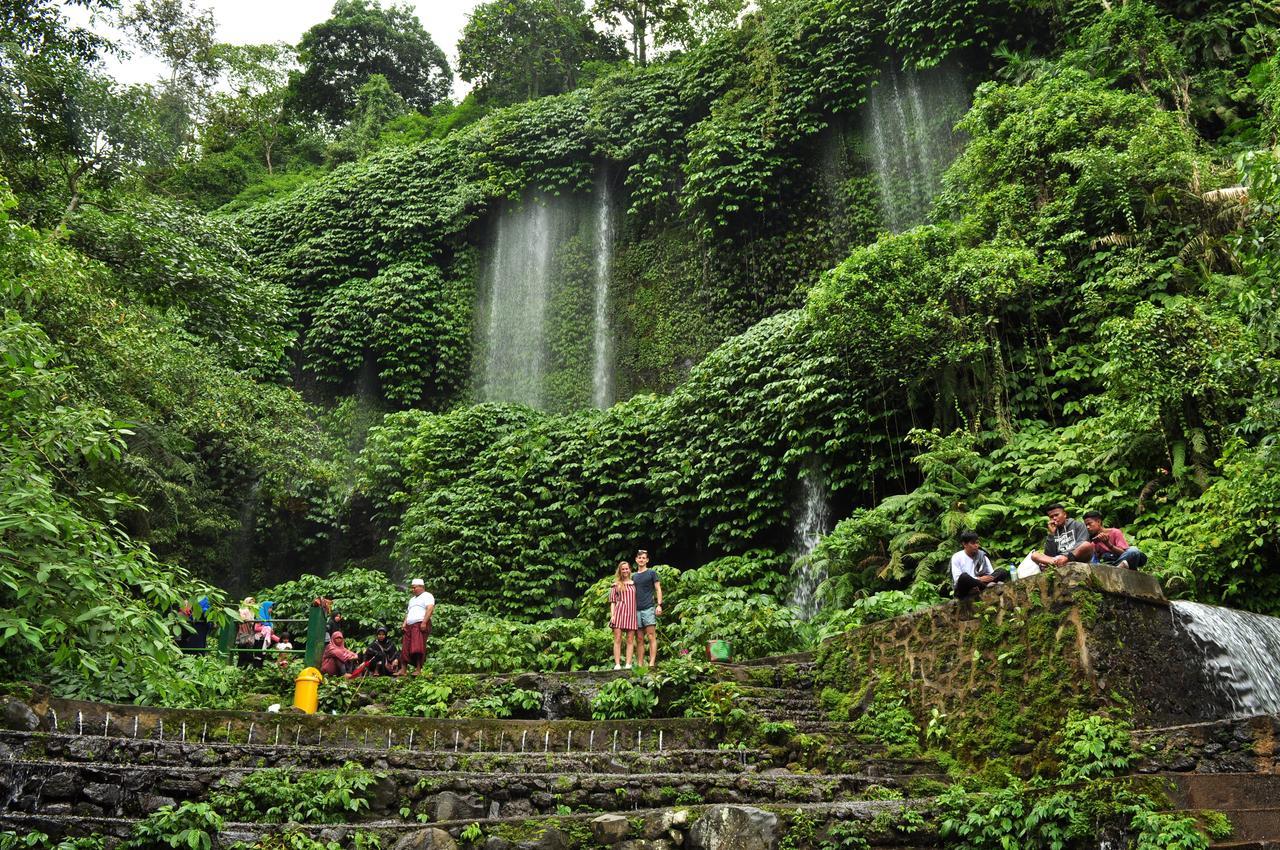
[[311, 651]]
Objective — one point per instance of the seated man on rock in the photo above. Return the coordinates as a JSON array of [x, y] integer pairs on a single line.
[[971, 570], [1110, 545], [1067, 540]]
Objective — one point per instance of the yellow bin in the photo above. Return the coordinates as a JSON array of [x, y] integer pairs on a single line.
[[306, 690]]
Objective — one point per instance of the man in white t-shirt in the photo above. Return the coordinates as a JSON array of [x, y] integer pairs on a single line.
[[417, 627], [971, 569]]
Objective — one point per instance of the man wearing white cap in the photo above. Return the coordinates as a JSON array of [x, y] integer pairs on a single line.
[[417, 626]]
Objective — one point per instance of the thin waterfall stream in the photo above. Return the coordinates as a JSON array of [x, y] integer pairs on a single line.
[[908, 132], [812, 521], [602, 348], [1238, 651]]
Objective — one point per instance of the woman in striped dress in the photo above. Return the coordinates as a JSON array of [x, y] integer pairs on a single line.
[[622, 613]]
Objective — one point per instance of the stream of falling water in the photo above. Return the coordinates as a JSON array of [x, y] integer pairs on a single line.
[[602, 345], [908, 132], [811, 523], [520, 280], [1238, 651]]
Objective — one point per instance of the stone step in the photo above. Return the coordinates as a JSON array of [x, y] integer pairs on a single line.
[[470, 735], [1255, 824], [112, 790], [1225, 791], [876, 817], [95, 748]]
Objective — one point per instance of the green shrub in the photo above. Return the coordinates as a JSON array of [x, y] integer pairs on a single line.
[[623, 699], [280, 795]]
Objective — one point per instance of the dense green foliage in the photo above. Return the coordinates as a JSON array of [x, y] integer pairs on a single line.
[[1087, 315]]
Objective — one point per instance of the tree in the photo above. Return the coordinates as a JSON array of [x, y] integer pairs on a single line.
[[38, 27], [258, 76], [656, 21], [362, 39], [185, 38], [73, 130], [376, 106], [521, 49]]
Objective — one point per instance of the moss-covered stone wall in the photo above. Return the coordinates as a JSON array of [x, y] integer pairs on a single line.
[[999, 673]]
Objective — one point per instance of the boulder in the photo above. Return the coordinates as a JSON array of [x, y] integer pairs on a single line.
[[663, 824], [610, 829], [16, 714], [646, 844], [494, 842], [447, 806], [554, 839], [727, 827], [427, 839]]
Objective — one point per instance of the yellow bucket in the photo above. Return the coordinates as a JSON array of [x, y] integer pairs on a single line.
[[306, 690]]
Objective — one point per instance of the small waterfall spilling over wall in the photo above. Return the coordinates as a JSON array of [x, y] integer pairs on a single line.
[[520, 277], [812, 522], [909, 138], [1239, 651], [602, 345]]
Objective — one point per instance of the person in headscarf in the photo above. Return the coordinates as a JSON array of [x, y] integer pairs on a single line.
[[265, 627], [337, 660], [382, 654]]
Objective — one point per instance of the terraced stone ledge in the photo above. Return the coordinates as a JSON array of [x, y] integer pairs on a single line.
[[412, 733], [879, 822]]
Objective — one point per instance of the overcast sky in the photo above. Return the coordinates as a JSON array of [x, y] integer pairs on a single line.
[[257, 21]]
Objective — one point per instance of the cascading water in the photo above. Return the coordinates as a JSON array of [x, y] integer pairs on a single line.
[[1238, 652], [908, 130], [812, 522], [602, 354], [520, 280]]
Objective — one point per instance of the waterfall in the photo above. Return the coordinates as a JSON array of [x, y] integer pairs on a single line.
[[520, 279], [1238, 651], [811, 523], [908, 133], [602, 353]]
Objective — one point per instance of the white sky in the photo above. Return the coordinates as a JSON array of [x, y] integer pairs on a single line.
[[258, 21]]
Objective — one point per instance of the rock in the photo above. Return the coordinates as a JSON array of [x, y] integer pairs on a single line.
[[447, 806], [610, 829], [154, 802], [86, 749], [735, 828], [427, 839], [61, 786], [103, 793], [661, 824], [493, 842], [16, 714], [553, 839], [382, 796], [646, 844], [336, 835]]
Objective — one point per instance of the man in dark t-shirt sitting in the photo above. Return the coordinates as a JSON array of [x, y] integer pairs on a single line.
[[1067, 540], [648, 606]]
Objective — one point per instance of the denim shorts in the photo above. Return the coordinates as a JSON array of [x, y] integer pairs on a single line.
[[647, 617]]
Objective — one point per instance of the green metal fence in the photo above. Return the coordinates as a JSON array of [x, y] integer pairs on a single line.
[[311, 651]]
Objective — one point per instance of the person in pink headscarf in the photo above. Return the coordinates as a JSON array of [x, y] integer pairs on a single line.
[[337, 659]]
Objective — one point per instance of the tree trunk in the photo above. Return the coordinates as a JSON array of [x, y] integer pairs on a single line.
[[639, 35], [73, 185]]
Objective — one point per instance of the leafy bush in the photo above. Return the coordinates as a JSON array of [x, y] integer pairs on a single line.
[[1094, 747], [623, 699], [278, 795], [364, 598], [189, 826]]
